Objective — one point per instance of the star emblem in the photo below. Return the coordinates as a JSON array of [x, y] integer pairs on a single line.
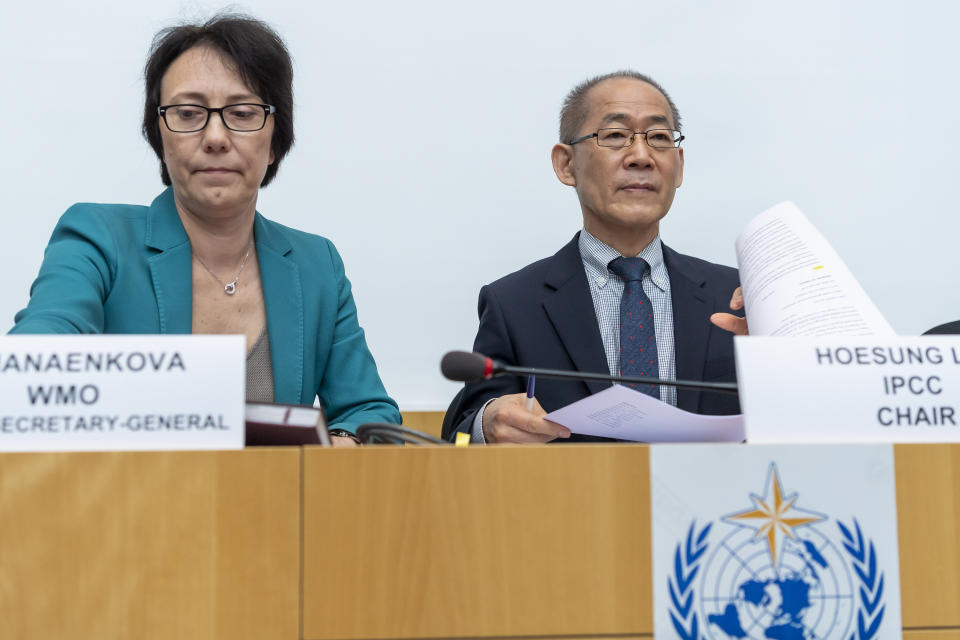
[[774, 516]]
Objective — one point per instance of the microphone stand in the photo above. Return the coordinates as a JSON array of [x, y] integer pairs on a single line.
[[500, 369]]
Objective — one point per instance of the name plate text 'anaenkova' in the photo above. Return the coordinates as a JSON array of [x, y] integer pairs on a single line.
[[121, 392]]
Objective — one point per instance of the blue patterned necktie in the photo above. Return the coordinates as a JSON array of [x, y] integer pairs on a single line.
[[638, 340]]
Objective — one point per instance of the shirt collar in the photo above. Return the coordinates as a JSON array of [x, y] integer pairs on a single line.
[[596, 255]]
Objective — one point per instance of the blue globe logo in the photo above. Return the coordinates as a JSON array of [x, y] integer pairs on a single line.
[[776, 575], [743, 595]]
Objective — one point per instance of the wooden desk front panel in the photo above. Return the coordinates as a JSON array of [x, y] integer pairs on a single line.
[[150, 545], [478, 542], [545, 541], [928, 525]]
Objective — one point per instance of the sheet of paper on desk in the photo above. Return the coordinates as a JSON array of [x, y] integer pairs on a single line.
[[623, 413]]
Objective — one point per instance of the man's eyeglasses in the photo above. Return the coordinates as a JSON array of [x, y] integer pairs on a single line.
[[620, 138], [187, 118]]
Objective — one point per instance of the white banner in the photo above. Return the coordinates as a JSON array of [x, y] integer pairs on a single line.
[[774, 541], [121, 392], [842, 389]]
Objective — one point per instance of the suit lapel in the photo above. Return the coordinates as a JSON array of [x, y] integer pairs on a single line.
[[570, 309], [691, 325], [282, 297], [172, 273], [170, 268]]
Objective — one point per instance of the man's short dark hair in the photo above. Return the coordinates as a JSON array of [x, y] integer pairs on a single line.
[[258, 56], [575, 109]]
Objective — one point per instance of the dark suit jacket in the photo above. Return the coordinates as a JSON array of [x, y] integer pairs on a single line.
[[543, 316], [950, 328]]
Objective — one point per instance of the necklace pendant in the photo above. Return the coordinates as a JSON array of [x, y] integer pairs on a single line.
[[230, 288]]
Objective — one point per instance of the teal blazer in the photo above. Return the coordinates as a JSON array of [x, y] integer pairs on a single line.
[[128, 269]]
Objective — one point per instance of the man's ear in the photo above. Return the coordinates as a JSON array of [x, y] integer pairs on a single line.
[[562, 157], [680, 169]]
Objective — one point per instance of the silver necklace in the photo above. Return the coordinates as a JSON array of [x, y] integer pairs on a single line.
[[229, 288]]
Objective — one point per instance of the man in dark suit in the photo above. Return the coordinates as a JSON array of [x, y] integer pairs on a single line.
[[582, 308]]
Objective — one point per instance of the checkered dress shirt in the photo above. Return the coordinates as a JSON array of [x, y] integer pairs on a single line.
[[606, 288]]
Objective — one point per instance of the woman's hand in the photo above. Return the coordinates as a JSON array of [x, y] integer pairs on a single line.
[[342, 441]]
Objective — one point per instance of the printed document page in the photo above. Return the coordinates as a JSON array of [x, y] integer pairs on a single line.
[[625, 414], [795, 284]]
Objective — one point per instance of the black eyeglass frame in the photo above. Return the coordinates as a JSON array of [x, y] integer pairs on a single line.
[[268, 109], [633, 138]]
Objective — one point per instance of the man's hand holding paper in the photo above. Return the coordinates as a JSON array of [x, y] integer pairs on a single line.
[[729, 322], [506, 419]]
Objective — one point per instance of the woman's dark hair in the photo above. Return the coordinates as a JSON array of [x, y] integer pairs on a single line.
[[260, 58]]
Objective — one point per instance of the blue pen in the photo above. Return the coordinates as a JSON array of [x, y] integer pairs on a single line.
[[531, 383]]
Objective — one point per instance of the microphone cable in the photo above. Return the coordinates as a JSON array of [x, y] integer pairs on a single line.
[[386, 433]]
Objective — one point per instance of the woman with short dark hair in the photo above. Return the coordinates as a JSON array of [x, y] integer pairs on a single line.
[[200, 258]]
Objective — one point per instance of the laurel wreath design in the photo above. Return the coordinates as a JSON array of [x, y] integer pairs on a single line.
[[689, 554], [864, 560], [686, 564]]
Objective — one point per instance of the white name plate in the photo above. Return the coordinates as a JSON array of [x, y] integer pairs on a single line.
[[121, 392], [843, 389]]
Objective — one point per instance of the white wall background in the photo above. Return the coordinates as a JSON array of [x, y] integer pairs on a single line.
[[847, 108]]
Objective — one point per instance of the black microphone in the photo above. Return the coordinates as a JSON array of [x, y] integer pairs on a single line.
[[465, 366]]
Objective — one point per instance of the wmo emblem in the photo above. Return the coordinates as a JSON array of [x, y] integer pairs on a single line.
[[777, 568]]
